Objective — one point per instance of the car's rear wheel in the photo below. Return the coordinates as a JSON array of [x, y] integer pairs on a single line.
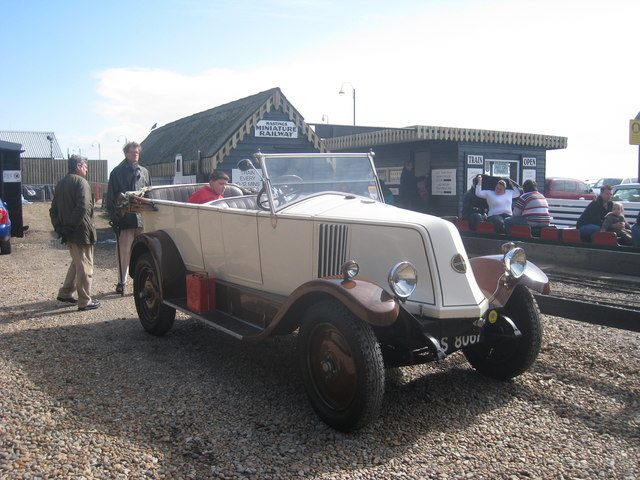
[[5, 247], [342, 366], [156, 317], [509, 357]]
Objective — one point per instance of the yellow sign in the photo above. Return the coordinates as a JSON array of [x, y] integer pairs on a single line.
[[634, 132]]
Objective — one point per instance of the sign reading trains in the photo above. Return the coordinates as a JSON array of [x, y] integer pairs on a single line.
[[276, 128]]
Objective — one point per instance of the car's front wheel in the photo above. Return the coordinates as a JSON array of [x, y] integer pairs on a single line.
[[156, 317], [5, 247], [342, 366], [504, 358]]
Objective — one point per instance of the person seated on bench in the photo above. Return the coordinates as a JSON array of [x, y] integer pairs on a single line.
[[592, 217], [530, 208], [635, 232], [215, 190], [615, 222], [499, 201], [474, 208]]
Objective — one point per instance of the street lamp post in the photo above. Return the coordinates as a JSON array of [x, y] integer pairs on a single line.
[[99, 152], [341, 92], [50, 138]]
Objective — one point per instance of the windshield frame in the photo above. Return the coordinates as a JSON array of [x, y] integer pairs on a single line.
[[271, 182]]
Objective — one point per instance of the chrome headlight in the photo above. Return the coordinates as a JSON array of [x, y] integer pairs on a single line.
[[403, 278], [515, 261], [349, 270]]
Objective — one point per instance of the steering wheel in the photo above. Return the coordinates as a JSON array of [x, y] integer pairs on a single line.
[[284, 193]]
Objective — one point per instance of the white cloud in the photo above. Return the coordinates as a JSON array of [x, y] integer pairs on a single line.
[[558, 68]]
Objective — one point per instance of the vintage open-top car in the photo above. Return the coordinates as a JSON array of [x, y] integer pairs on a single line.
[[367, 285]]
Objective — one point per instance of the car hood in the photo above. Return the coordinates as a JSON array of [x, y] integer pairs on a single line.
[[430, 243], [333, 206]]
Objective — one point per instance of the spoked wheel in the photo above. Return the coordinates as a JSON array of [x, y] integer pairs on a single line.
[[156, 317], [509, 357], [341, 365]]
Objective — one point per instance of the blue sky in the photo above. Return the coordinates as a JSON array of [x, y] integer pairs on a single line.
[[96, 72]]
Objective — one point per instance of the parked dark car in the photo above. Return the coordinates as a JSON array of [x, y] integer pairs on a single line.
[[568, 188], [5, 229]]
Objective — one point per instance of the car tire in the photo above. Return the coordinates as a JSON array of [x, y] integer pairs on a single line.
[[505, 359], [342, 366], [5, 247], [155, 317]]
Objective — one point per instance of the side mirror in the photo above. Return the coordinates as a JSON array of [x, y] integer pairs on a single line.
[[245, 164], [591, 190]]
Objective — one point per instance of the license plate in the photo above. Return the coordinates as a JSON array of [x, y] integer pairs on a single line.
[[451, 344]]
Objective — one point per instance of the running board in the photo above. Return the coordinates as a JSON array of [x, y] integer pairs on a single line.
[[234, 326]]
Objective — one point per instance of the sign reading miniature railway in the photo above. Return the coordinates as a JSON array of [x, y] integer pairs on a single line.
[[634, 132], [276, 128]]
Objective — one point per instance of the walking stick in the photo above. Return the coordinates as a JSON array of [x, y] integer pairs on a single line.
[[116, 229], [120, 282]]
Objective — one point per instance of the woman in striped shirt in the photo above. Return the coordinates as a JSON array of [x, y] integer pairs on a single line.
[[530, 208]]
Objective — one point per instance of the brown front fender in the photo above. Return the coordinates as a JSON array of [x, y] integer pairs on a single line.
[[169, 265], [364, 299], [497, 286]]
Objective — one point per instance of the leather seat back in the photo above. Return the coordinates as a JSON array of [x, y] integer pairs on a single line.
[[246, 202], [181, 193]]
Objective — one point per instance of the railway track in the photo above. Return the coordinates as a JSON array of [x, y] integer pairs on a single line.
[[611, 292], [607, 301]]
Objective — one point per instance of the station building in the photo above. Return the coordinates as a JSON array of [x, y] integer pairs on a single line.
[[188, 149], [447, 157]]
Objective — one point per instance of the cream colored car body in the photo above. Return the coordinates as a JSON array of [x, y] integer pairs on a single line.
[[277, 252]]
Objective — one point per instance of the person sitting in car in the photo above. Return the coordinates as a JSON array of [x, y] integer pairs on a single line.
[[593, 215], [213, 191]]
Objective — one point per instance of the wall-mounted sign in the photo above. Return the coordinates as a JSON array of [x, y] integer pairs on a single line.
[[9, 176], [471, 173], [528, 174], [475, 160], [528, 161], [443, 181], [249, 179], [276, 128], [634, 132]]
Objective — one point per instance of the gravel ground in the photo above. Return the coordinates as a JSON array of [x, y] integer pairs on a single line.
[[91, 395]]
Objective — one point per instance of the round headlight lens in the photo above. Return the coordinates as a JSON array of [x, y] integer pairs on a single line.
[[403, 278], [349, 270], [515, 261]]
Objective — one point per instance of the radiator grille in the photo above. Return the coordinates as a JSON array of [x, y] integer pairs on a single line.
[[332, 251]]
